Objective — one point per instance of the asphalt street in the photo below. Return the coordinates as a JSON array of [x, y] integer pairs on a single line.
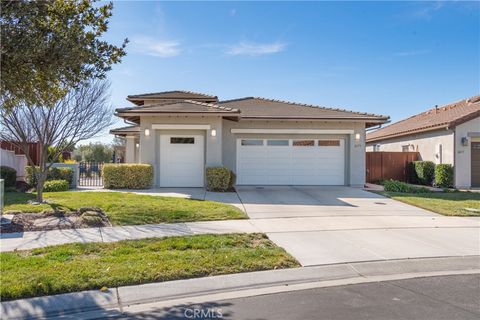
[[443, 297]]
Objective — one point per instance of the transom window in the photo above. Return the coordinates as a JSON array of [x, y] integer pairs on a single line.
[[329, 143], [277, 143], [252, 142], [182, 140], [303, 143]]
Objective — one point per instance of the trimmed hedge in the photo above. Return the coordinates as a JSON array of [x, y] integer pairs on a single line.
[[56, 185], [220, 179], [424, 172], [398, 186], [127, 176], [10, 176], [444, 175], [54, 173]]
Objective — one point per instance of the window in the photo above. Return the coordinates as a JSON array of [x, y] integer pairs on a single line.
[[277, 142], [252, 142], [182, 140], [376, 147], [406, 148], [303, 143], [329, 143]]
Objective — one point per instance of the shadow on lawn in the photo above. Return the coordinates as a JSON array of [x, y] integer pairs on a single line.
[[21, 198]]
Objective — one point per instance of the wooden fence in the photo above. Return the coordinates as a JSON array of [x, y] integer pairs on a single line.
[[33, 150], [388, 165]]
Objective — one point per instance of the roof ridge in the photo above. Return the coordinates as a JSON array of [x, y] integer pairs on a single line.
[[306, 105], [212, 105], [173, 91]]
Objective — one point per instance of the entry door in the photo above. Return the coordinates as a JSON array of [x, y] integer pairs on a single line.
[[182, 160], [475, 169]]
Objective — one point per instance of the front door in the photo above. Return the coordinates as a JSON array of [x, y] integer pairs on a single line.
[[181, 160], [475, 164]]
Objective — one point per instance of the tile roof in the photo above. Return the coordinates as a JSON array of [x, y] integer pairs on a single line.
[[125, 130], [172, 95], [448, 115], [256, 107], [182, 106]]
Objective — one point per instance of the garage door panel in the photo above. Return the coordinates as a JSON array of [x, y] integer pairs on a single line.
[[291, 165]]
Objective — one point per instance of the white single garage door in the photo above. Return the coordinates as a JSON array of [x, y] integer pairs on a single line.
[[291, 161], [181, 160]]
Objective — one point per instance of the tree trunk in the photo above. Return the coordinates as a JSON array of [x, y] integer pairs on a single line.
[[41, 177]]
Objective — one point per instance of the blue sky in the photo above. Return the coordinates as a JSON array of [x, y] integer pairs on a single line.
[[393, 58]]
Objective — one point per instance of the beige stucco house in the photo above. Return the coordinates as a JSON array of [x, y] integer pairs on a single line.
[[448, 134], [264, 141]]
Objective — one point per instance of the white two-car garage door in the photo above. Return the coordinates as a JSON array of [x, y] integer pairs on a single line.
[[290, 161]]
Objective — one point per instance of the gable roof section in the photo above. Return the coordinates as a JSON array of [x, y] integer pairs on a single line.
[[125, 131], [172, 95], [447, 116], [257, 108], [177, 107]]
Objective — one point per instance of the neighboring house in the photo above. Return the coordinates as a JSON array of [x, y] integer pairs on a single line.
[[447, 134], [265, 142]]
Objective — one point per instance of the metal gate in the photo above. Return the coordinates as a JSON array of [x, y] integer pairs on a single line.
[[90, 174]]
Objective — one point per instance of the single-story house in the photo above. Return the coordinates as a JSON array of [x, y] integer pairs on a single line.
[[448, 134], [264, 141]]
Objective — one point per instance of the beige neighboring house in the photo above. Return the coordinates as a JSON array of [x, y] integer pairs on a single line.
[[264, 141], [448, 134]]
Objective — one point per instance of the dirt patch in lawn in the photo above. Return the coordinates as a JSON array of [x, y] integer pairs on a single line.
[[83, 218]]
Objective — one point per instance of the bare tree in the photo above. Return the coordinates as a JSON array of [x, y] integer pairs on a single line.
[[82, 114]]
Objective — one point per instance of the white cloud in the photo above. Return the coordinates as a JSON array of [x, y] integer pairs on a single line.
[[156, 48], [256, 49], [410, 53], [428, 9]]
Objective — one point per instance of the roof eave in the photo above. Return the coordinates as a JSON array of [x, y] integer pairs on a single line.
[[407, 133]]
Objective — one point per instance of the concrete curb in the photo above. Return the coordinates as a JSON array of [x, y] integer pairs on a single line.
[[94, 304]]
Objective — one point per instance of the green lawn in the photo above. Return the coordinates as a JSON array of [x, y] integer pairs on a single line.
[[446, 203], [77, 267], [128, 208]]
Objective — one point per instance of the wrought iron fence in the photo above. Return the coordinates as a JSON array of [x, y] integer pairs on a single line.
[[90, 174]]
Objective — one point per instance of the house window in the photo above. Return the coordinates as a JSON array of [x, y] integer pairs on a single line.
[[406, 148], [303, 143], [182, 140], [279, 143], [251, 142], [376, 147], [328, 143]]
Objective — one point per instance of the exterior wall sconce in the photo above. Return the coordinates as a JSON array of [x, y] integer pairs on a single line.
[[147, 132], [213, 133], [357, 137], [464, 141], [137, 145]]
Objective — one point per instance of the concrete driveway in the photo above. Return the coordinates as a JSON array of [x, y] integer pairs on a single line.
[[326, 225]]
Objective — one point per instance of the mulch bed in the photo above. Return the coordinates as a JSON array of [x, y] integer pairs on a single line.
[[56, 220]]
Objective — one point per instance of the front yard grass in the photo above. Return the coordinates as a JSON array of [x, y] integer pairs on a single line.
[[127, 208], [77, 267], [446, 203]]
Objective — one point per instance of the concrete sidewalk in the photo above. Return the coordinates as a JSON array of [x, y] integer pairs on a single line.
[[116, 301]]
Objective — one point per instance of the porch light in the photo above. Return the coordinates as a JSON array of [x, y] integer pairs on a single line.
[[137, 145], [213, 133], [147, 132], [357, 136]]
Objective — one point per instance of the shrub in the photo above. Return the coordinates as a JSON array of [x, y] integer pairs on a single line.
[[424, 172], [444, 175], [127, 176], [218, 179], [233, 180], [10, 176], [397, 186], [56, 185], [53, 174]]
